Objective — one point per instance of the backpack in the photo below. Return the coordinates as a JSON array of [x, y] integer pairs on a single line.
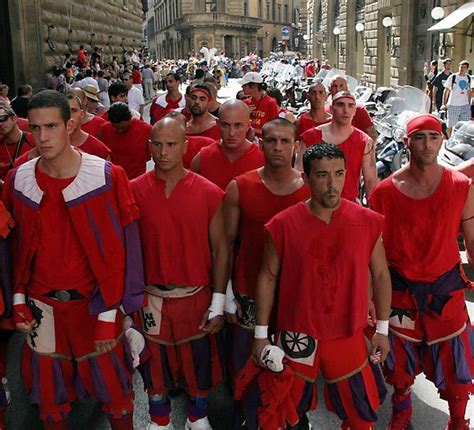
[[468, 79]]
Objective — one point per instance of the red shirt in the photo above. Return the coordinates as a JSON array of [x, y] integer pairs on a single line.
[[10, 153], [22, 123], [305, 122], [361, 119], [175, 229], [257, 206], [265, 109], [96, 147], [136, 77], [213, 133], [324, 269], [60, 262], [195, 143], [162, 105], [354, 151], [216, 167], [420, 236], [93, 126], [129, 149]]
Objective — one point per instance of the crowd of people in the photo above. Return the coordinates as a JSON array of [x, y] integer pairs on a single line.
[[244, 254]]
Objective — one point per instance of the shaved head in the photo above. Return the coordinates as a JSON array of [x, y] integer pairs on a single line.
[[178, 116], [170, 124], [234, 106]]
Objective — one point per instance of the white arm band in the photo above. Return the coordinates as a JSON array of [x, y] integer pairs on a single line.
[[261, 332], [108, 316], [217, 305], [19, 299], [230, 305], [382, 327]]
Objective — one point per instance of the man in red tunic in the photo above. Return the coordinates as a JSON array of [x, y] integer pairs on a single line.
[[252, 199], [165, 103], [361, 119], [234, 154], [13, 141], [358, 147], [186, 271], [424, 205], [127, 138], [77, 261], [90, 123], [202, 122], [320, 252], [263, 108], [317, 96]]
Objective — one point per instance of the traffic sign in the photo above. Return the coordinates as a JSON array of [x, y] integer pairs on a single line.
[[285, 33]]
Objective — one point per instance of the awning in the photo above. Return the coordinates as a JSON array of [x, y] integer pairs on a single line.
[[454, 18]]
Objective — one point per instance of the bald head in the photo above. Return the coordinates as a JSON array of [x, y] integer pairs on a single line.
[[171, 125], [338, 83], [234, 107]]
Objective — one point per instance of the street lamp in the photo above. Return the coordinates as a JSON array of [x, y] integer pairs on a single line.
[[336, 31], [437, 13], [359, 27], [387, 24]]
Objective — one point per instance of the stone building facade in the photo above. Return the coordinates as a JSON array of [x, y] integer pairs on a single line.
[[351, 34], [176, 28], [36, 34]]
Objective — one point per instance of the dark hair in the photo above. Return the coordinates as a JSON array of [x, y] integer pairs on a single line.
[[119, 112], [175, 76], [276, 94], [117, 88], [199, 74], [88, 73], [279, 122], [319, 151], [51, 99], [100, 74], [237, 94], [79, 77], [81, 46], [23, 90]]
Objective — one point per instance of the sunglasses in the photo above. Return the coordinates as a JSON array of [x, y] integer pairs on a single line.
[[3, 118]]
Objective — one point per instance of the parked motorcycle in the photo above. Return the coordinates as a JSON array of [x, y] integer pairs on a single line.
[[458, 150]]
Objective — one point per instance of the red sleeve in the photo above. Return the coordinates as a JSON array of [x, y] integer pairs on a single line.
[[215, 200], [362, 119], [6, 193], [274, 110], [128, 208], [274, 229]]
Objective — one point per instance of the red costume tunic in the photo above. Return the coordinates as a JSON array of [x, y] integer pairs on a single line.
[[324, 269], [175, 229], [94, 146], [101, 207], [60, 260], [305, 122], [361, 119], [354, 151], [162, 105], [213, 133], [129, 149], [420, 236], [216, 167], [257, 206], [195, 143], [93, 126], [22, 123], [265, 109], [10, 153]]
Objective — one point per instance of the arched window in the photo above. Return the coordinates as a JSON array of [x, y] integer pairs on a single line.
[[319, 16], [360, 11]]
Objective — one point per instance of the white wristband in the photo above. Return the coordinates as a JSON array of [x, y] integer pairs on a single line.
[[382, 327], [107, 316], [19, 299], [217, 305], [261, 332], [230, 305]]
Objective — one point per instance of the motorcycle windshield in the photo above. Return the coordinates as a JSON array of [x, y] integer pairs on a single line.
[[463, 134], [404, 103], [325, 76]]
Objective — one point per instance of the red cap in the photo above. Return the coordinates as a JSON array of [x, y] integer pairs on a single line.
[[424, 121], [342, 95]]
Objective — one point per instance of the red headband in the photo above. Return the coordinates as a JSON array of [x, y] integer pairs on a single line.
[[424, 121], [201, 90]]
